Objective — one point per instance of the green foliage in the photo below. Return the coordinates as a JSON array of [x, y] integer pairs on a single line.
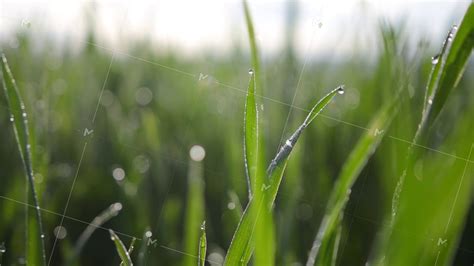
[[121, 249], [18, 116], [258, 209], [329, 231], [202, 245], [194, 211]]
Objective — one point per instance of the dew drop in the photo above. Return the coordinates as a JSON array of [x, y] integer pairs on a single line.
[[340, 90], [250, 71], [430, 101], [118, 174], [12, 119], [203, 226], [148, 234], [197, 153], [23, 114], [2, 248], [435, 59], [42, 236], [60, 232], [230, 205]]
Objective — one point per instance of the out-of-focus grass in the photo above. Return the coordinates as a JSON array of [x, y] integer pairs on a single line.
[[148, 135]]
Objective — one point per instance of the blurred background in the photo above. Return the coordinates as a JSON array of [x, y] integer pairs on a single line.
[[153, 79]]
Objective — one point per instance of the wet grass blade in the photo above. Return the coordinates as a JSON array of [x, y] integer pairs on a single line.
[[121, 249], [356, 161], [194, 211], [202, 245], [445, 75], [112, 211], [242, 245], [130, 248], [254, 141], [253, 47], [251, 147], [18, 116], [450, 67]]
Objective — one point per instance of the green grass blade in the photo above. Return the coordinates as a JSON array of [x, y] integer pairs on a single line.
[[202, 245], [253, 47], [112, 211], [142, 254], [453, 59], [444, 77], [242, 244], [251, 147], [194, 210], [35, 237], [121, 249], [130, 248], [356, 161], [328, 253]]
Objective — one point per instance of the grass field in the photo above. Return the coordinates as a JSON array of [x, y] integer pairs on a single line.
[[151, 158]]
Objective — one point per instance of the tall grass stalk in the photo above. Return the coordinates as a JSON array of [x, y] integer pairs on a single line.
[[35, 251], [195, 207], [258, 210], [325, 243], [448, 68]]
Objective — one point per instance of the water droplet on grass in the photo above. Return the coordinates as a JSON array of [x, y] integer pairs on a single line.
[[2, 248], [340, 90], [251, 71], [230, 205], [12, 119], [203, 226], [148, 234], [435, 59]]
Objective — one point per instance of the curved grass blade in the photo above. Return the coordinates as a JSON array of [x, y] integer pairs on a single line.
[[202, 245], [34, 234], [112, 211], [121, 250], [356, 161], [130, 248], [242, 245], [445, 75], [195, 209], [455, 53]]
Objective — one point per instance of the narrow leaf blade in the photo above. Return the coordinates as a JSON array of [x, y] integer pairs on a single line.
[[121, 249]]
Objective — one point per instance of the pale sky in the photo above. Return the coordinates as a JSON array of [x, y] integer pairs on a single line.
[[192, 26]]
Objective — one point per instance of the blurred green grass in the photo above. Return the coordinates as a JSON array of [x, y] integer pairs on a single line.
[[150, 137]]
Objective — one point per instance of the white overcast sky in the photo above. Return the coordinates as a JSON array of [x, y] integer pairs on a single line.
[[192, 26]]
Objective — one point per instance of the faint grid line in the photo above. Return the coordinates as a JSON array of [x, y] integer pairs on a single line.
[[103, 87], [67, 201], [459, 188], [67, 217], [85, 145], [296, 90], [99, 227], [273, 100]]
